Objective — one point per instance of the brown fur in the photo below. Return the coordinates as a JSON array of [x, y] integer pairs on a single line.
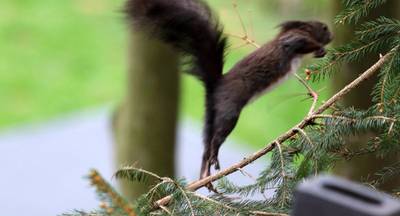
[[256, 73]]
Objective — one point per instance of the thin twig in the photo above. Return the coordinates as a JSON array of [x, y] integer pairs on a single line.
[[383, 118], [391, 128], [311, 92], [186, 198], [302, 132], [235, 7], [327, 116], [290, 133], [213, 201], [278, 145], [260, 213], [252, 34], [166, 210], [245, 38], [153, 190], [382, 91], [247, 174]]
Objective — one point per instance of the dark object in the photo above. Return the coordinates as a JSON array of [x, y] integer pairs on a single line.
[[190, 27], [330, 196]]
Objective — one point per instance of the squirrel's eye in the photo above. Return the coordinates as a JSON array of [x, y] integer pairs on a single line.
[[325, 28]]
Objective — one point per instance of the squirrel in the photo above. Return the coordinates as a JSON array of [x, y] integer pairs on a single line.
[[191, 28]]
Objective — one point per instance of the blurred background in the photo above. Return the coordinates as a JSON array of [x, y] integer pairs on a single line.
[[62, 57], [64, 71]]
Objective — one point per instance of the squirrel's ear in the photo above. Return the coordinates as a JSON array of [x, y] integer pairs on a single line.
[[293, 24]]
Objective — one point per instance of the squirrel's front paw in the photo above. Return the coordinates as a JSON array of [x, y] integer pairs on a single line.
[[320, 53]]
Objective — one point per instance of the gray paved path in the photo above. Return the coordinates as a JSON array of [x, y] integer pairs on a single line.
[[43, 166]]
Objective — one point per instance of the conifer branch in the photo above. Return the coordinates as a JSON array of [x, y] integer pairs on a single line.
[[103, 187], [383, 118], [283, 173], [395, 95], [259, 213], [354, 10], [366, 75], [186, 198], [247, 40], [290, 133], [256, 213], [213, 201], [302, 132]]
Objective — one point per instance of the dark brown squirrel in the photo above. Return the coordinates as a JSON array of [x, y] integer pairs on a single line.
[[190, 27]]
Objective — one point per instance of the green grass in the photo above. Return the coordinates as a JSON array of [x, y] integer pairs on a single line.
[[58, 56], [63, 56]]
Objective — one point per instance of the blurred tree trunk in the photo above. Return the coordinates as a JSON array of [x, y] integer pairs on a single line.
[[362, 167], [145, 123]]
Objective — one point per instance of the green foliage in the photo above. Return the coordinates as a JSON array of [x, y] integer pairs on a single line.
[[58, 57], [380, 27], [356, 9], [136, 175], [386, 92], [372, 37]]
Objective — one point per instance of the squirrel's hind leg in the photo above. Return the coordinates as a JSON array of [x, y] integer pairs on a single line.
[[223, 127], [206, 169]]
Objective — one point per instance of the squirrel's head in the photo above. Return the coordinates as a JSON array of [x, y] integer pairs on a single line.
[[314, 30]]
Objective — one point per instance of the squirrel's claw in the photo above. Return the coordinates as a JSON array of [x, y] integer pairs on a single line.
[[205, 172], [211, 188], [320, 53], [214, 161]]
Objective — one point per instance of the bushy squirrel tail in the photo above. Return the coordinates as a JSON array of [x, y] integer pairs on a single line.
[[190, 27]]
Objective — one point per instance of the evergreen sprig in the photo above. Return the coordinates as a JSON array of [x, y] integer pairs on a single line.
[[386, 174], [373, 37], [356, 9], [386, 90], [83, 213]]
